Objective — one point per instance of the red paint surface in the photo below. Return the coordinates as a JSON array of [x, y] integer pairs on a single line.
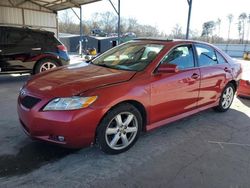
[[166, 97]]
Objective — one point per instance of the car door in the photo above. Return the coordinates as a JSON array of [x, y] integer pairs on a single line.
[[175, 93], [19, 49], [214, 73], [1, 40], [3, 48]]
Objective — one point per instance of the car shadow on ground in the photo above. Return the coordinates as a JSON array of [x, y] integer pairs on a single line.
[[36, 154], [6, 79], [245, 100], [31, 157]]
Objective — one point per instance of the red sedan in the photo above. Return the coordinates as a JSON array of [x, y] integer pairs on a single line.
[[134, 87], [244, 86]]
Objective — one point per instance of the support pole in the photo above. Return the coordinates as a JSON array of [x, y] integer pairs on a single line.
[[81, 33], [118, 11], [189, 16], [119, 21]]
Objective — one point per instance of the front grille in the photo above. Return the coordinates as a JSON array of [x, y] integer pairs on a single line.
[[29, 101]]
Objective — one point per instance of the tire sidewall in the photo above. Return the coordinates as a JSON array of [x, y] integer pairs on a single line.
[[101, 130], [41, 62], [219, 107]]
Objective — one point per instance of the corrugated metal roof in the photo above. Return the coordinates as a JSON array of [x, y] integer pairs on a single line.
[[54, 5], [57, 5]]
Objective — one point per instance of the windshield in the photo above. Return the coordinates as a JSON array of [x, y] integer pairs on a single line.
[[129, 56]]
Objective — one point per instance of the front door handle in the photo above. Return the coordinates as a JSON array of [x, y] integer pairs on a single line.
[[195, 76], [35, 49], [226, 69]]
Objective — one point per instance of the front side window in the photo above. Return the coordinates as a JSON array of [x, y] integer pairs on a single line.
[[206, 55], [132, 56], [181, 56]]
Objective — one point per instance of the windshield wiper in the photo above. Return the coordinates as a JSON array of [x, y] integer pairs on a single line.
[[103, 65]]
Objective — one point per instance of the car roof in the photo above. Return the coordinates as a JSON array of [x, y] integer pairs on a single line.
[[166, 40], [27, 28]]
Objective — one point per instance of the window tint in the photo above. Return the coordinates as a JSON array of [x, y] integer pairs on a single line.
[[14, 36], [206, 55], [1, 37], [181, 56], [220, 59]]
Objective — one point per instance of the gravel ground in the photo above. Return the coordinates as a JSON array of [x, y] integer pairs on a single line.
[[208, 149]]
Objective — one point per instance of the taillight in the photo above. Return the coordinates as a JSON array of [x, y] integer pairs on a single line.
[[62, 48]]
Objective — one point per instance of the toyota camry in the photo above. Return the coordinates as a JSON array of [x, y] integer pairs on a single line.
[[137, 86]]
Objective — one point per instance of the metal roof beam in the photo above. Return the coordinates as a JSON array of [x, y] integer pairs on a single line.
[[36, 3], [74, 3], [75, 14], [12, 4], [52, 3], [20, 3], [114, 7]]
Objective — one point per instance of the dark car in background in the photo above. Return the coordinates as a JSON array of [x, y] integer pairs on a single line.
[[26, 50]]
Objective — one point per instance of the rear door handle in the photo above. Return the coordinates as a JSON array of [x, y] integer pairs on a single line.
[[195, 76], [226, 69], [35, 49]]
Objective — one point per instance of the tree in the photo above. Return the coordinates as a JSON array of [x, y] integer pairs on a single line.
[[248, 27], [241, 25], [66, 24], [208, 28], [177, 31], [108, 22], [240, 30], [230, 19], [218, 23]]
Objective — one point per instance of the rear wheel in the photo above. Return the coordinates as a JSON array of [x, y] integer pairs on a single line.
[[119, 129], [226, 98], [45, 64]]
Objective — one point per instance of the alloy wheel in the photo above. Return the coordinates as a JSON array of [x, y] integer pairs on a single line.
[[121, 131], [227, 97], [46, 66]]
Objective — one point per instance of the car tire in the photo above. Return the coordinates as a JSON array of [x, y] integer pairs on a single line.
[[45, 64], [226, 98], [119, 129]]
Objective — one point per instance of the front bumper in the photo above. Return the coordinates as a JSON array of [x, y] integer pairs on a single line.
[[65, 62], [77, 127], [244, 89]]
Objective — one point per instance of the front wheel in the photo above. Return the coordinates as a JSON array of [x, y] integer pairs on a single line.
[[119, 129], [226, 98]]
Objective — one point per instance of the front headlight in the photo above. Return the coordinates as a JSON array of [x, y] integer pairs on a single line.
[[69, 103]]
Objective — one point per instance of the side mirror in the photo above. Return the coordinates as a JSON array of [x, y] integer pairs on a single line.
[[167, 68], [88, 58]]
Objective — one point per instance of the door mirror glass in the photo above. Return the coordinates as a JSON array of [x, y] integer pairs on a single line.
[[168, 68]]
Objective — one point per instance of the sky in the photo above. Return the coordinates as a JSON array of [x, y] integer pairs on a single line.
[[165, 14]]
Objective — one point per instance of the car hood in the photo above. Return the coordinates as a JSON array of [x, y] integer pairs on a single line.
[[75, 79]]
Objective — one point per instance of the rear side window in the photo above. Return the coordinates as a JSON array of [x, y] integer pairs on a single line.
[[50, 39], [15, 36], [181, 56], [1, 36], [220, 59], [206, 55]]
